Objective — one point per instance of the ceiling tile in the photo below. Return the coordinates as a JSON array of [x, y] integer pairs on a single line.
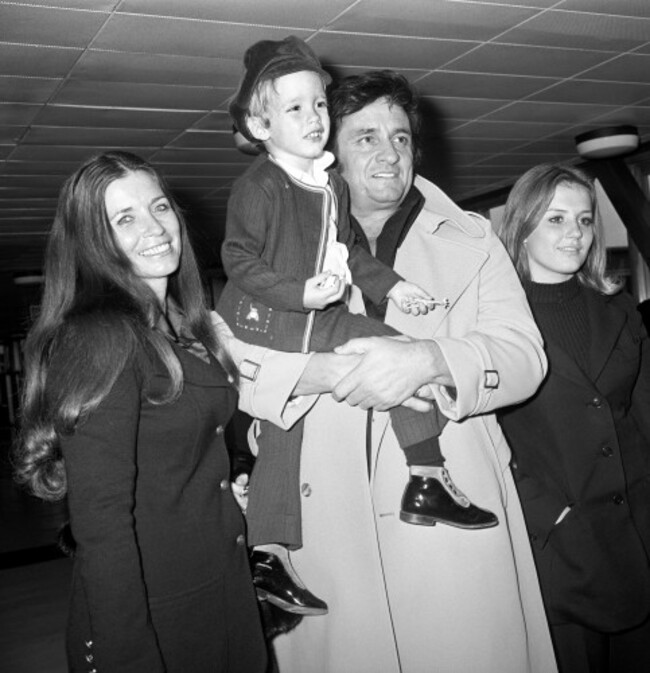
[[69, 115], [117, 94], [502, 87], [9, 135], [462, 108], [625, 68], [579, 30], [519, 60], [17, 113], [228, 156], [431, 18], [564, 113], [66, 153], [70, 135], [599, 93], [49, 26], [5, 150], [640, 116], [482, 144], [96, 5], [37, 168], [204, 140], [375, 51], [27, 60], [554, 146], [214, 121], [215, 171], [269, 12], [108, 66], [505, 130], [45, 181], [154, 35], [635, 8], [27, 89], [535, 4]]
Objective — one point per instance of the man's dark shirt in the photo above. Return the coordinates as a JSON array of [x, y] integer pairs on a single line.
[[389, 240]]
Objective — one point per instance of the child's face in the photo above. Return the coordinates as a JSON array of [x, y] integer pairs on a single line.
[[299, 123]]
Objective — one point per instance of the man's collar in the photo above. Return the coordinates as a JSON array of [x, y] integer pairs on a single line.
[[442, 209]]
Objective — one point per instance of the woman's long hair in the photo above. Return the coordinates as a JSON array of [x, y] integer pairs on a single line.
[[530, 198], [95, 316]]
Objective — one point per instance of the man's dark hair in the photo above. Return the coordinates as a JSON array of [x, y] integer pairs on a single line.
[[356, 92]]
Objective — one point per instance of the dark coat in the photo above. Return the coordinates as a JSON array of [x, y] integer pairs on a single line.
[[274, 242], [161, 578], [583, 441]]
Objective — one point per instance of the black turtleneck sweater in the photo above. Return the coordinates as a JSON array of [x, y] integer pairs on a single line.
[[560, 310]]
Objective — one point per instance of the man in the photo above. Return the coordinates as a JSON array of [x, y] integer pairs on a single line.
[[405, 598]]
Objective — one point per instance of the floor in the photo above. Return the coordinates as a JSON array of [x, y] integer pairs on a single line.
[[34, 579]]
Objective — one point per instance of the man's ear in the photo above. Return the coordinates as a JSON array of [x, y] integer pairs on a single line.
[[258, 128]]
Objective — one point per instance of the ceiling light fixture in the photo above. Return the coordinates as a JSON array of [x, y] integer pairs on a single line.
[[613, 141]]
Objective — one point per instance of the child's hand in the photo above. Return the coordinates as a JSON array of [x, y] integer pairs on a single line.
[[322, 290], [411, 298]]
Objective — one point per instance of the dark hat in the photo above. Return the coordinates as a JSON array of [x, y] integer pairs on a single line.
[[268, 60]]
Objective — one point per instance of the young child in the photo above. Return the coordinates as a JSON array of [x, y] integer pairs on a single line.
[[289, 255]]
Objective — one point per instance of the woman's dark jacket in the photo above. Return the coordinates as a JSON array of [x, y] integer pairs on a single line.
[[161, 577], [583, 441]]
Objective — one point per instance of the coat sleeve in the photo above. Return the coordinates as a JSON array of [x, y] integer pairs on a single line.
[[248, 225], [500, 361], [101, 466]]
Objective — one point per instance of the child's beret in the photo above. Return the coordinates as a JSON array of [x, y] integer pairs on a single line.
[[268, 60]]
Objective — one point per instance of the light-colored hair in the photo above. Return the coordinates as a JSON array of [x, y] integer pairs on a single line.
[[527, 202]]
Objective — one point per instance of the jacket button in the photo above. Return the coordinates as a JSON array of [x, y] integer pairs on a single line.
[[596, 402], [607, 451], [305, 489], [618, 499], [219, 430], [240, 540], [224, 485], [89, 658], [89, 643]]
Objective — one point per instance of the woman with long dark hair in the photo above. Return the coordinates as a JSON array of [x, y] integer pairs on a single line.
[[126, 395], [581, 445]]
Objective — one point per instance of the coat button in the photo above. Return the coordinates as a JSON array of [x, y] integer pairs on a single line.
[[219, 430], [89, 658], [241, 540], [596, 402], [305, 489], [89, 643], [618, 499], [224, 485], [607, 451]]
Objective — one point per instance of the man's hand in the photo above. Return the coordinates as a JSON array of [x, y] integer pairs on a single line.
[[322, 290], [392, 372]]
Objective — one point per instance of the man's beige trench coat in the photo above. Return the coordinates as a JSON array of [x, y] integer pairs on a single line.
[[414, 599]]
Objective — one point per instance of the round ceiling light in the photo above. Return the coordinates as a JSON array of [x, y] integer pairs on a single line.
[[612, 141]]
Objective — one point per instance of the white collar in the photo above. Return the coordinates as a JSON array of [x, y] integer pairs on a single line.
[[320, 177]]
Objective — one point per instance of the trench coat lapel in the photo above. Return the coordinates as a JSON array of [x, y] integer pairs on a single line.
[[435, 265]]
